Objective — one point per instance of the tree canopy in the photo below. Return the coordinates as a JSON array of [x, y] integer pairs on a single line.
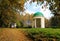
[[54, 5], [8, 10]]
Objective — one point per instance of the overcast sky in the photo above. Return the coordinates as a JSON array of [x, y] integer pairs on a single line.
[[33, 7]]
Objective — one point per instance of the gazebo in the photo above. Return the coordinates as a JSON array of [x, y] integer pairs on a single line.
[[38, 20]]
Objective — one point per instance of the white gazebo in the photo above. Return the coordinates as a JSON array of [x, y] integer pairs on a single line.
[[38, 20]]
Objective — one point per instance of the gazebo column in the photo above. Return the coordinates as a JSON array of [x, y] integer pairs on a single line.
[[35, 23], [42, 23]]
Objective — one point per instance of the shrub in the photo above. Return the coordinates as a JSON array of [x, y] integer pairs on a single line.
[[42, 33], [18, 24]]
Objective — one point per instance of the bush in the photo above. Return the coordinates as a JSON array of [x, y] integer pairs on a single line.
[[18, 24], [42, 33]]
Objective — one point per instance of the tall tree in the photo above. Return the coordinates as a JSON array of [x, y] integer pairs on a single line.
[[8, 10]]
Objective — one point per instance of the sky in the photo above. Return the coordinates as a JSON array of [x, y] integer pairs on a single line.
[[33, 8]]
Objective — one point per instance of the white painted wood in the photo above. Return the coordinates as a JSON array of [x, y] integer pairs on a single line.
[[35, 23], [42, 21]]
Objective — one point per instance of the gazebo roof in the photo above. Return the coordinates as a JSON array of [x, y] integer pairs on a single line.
[[38, 14]]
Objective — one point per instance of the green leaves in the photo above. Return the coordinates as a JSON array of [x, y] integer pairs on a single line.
[[8, 11], [47, 33]]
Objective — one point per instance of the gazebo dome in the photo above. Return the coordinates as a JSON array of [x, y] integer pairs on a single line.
[[38, 14]]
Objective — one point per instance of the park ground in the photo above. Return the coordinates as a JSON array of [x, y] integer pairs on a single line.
[[29, 34], [9, 34]]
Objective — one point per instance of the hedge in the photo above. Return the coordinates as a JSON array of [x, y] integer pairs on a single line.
[[39, 34]]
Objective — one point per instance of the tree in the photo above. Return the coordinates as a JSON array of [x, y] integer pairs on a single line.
[[8, 11], [55, 21], [56, 11], [54, 5]]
